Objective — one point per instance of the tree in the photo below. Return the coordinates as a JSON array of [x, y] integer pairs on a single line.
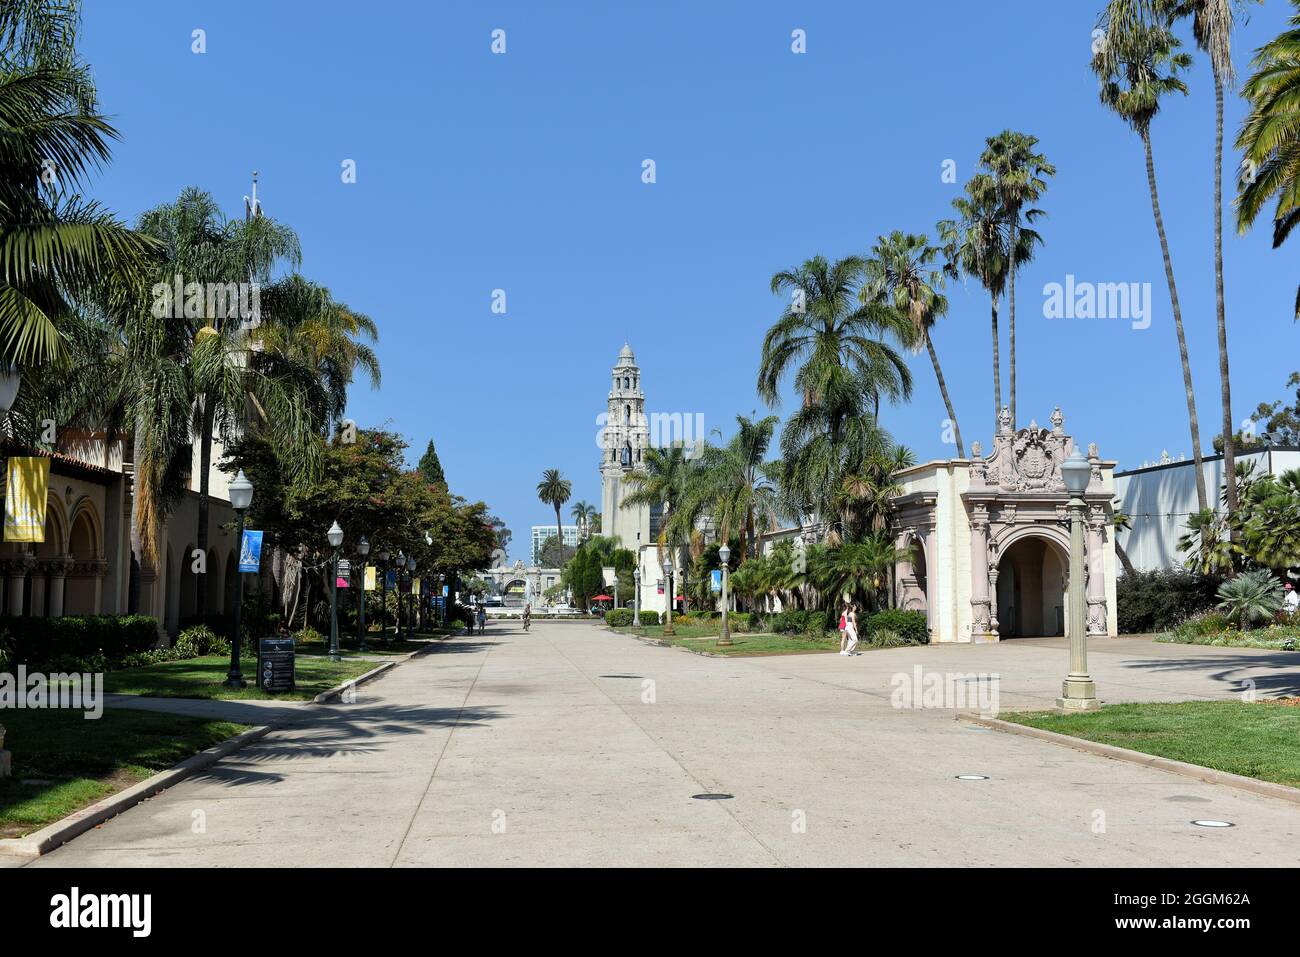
[[1251, 597], [978, 244], [857, 570], [554, 490], [901, 274], [430, 467], [1270, 137], [1139, 64], [583, 514], [737, 485], [822, 332], [1019, 179], [664, 480]]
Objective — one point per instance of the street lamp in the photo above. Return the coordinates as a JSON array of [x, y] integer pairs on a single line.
[[383, 596], [363, 549], [397, 580], [410, 573], [724, 554], [442, 618], [241, 496], [1078, 692], [668, 595], [335, 537], [636, 597]]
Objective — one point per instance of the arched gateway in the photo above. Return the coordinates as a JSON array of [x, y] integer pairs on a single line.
[[989, 539]]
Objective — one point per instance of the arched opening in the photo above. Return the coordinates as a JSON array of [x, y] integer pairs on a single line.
[[1031, 589], [188, 584], [216, 596], [79, 596], [515, 593]]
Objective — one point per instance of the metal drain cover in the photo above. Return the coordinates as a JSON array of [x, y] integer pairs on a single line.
[[713, 797]]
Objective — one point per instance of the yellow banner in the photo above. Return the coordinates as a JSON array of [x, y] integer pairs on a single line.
[[370, 578], [29, 482], [416, 586]]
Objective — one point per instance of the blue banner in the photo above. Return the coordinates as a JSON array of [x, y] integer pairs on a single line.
[[250, 551], [715, 581]]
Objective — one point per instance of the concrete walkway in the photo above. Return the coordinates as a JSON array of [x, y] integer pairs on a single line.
[[570, 746]]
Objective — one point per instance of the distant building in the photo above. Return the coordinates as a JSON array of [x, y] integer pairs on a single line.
[[1160, 498], [543, 533]]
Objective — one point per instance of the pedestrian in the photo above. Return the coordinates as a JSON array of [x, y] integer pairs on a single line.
[[1292, 600], [482, 618], [850, 630], [844, 623]]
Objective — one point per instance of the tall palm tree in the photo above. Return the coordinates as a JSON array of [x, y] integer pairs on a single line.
[[977, 243], [1019, 179], [665, 478], [554, 490], [823, 331], [1138, 65], [901, 274]]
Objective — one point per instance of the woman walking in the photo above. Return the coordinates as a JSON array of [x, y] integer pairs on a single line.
[[849, 639]]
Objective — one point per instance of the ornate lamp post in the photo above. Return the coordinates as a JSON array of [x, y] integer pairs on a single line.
[[724, 554], [241, 496], [397, 580], [383, 557], [363, 549], [636, 597], [335, 537], [668, 596], [410, 574], [442, 615], [1078, 692]]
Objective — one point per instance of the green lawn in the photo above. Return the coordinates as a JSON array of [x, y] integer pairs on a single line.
[[1255, 740], [703, 638], [63, 762], [204, 677]]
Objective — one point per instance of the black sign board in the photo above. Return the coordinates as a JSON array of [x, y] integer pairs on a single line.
[[275, 665]]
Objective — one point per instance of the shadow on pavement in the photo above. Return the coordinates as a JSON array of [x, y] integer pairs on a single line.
[[1235, 669]]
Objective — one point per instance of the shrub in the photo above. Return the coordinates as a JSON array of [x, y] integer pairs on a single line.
[[1251, 597], [910, 626], [618, 617], [1159, 600], [796, 622], [887, 638], [91, 643], [649, 617], [683, 621], [308, 634], [199, 641], [739, 621]]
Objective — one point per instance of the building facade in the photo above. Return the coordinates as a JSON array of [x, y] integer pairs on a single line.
[[543, 533], [625, 436]]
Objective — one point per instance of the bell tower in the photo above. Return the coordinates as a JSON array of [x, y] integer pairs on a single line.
[[625, 437]]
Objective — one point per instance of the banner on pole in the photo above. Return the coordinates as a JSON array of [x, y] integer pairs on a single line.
[[715, 581], [29, 482], [370, 577], [250, 551], [416, 586]]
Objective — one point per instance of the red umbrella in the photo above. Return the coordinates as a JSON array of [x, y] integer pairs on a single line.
[[602, 598]]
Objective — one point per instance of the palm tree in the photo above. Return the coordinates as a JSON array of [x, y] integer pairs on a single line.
[[857, 570], [1019, 179], [1139, 64], [1270, 532], [822, 332], [554, 490], [1251, 597], [1207, 543], [1270, 137], [978, 244], [737, 483], [583, 514], [901, 274]]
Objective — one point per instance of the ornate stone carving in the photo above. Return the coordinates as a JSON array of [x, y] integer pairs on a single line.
[[1028, 460], [1058, 422]]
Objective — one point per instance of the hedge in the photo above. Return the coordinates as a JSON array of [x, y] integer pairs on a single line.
[[618, 617], [1160, 600], [95, 641], [911, 626]]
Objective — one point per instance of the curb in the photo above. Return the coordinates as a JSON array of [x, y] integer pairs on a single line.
[[334, 693], [1206, 775], [60, 832]]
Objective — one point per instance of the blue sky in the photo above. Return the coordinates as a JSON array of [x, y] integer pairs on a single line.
[[522, 172]]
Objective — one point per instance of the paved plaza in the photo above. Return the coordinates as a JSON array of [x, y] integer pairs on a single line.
[[569, 745]]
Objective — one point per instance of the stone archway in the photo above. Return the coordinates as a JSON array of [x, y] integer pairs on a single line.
[[1030, 591]]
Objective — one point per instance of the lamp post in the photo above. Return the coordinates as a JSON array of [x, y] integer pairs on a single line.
[[335, 537], [383, 595], [241, 496], [363, 549], [397, 580], [410, 574], [668, 596], [1078, 692], [724, 554], [636, 597], [442, 615]]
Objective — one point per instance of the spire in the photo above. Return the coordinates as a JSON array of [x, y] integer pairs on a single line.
[[252, 208]]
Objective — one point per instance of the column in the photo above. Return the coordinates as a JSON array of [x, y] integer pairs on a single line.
[[979, 573], [1096, 572], [58, 575], [17, 572]]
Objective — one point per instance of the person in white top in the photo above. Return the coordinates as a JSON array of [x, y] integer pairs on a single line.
[[850, 629], [1292, 600]]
